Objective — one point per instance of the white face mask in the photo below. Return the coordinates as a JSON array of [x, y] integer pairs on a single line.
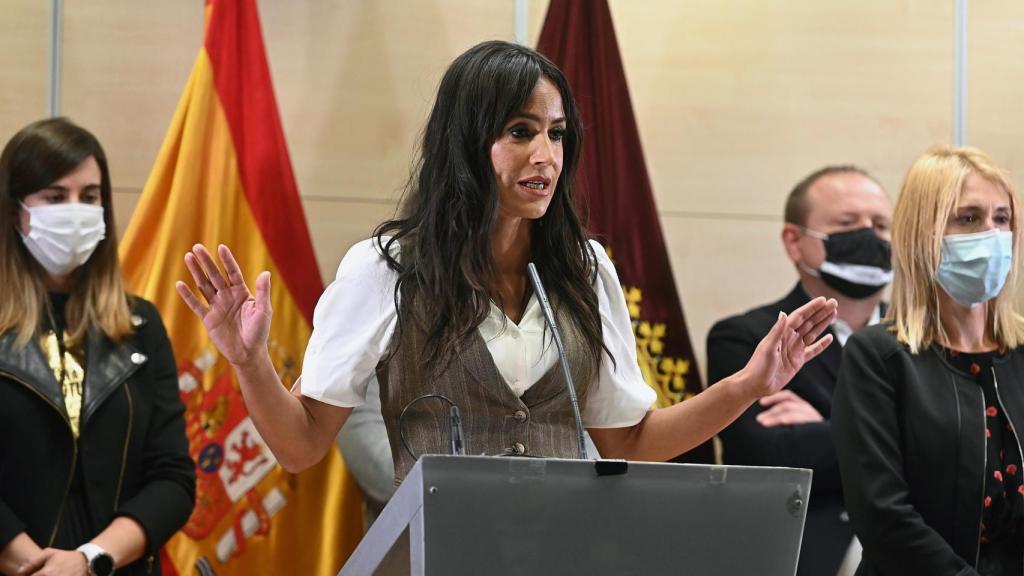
[[62, 237]]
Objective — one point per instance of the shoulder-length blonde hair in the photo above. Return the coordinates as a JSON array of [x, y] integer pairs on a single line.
[[37, 156], [930, 195]]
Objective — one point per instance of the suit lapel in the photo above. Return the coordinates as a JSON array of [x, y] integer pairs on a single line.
[[831, 356]]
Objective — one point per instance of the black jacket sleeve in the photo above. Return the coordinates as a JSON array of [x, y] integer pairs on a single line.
[[730, 345], [10, 524], [866, 427], [165, 501]]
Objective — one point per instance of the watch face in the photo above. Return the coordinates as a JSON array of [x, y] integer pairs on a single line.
[[102, 565]]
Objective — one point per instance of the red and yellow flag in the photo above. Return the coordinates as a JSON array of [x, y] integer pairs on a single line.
[[223, 176]]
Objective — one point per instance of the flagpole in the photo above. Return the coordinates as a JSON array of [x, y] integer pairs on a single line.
[[56, 37], [960, 73], [522, 14]]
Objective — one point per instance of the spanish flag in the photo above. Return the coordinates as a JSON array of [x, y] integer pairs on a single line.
[[223, 176]]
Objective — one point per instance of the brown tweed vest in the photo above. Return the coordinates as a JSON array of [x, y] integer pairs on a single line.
[[494, 420]]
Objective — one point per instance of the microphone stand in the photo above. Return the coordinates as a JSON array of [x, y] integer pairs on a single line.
[[549, 316]]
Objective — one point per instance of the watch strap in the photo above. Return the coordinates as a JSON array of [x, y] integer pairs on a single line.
[[95, 554]]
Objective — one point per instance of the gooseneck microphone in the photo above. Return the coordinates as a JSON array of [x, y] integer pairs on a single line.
[[549, 316], [456, 442], [455, 430]]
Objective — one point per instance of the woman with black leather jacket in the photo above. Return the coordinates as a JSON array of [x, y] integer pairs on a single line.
[[94, 465], [929, 406]]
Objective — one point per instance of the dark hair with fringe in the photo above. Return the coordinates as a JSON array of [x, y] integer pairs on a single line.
[[450, 207]]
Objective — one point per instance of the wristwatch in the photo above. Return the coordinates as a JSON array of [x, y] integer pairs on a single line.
[[100, 563]]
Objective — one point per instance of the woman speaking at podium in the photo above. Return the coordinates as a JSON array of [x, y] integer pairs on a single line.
[[438, 301]]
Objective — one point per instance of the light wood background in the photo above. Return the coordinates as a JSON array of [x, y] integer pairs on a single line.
[[736, 100]]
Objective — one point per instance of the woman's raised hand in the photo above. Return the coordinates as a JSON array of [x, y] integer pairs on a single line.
[[789, 345], [238, 323]]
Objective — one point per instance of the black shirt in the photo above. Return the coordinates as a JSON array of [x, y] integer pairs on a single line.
[[1003, 498]]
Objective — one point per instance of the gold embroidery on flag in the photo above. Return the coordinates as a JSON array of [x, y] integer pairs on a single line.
[[666, 374]]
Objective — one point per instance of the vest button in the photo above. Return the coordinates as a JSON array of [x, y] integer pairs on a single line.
[[518, 448], [520, 416]]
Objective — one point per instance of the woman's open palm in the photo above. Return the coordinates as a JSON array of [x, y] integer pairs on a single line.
[[791, 342], [238, 322]]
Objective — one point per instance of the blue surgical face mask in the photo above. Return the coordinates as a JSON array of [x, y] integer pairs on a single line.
[[973, 267]]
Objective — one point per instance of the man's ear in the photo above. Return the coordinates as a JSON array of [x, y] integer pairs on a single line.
[[791, 235]]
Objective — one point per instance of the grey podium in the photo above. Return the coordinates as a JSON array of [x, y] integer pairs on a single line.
[[476, 515]]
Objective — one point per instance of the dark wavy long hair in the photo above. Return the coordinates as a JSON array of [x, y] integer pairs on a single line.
[[444, 227]]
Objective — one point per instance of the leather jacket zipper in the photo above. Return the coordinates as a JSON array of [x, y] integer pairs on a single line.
[[124, 452], [984, 467], [74, 453]]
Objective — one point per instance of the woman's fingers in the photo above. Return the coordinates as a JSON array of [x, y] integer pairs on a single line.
[[817, 328], [190, 299], [231, 267], [210, 280], [801, 314], [818, 347], [209, 266], [776, 334], [201, 280], [36, 562], [820, 320], [811, 319], [263, 292], [791, 345]]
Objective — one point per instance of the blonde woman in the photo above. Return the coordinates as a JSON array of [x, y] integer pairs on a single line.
[[929, 405], [94, 465]]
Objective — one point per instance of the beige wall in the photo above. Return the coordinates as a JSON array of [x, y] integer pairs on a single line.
[[24, 59], [736, 100], [996, 90]]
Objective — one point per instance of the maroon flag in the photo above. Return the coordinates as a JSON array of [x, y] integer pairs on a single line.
[[616, 191]]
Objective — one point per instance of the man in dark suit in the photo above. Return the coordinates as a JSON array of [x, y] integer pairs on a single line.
[[836, 233]]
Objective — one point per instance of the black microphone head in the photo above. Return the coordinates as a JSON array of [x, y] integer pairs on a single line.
[[458, 444]]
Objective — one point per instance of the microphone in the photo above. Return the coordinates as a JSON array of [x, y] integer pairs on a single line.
[[549, 316], [456, 441], [455, 427]]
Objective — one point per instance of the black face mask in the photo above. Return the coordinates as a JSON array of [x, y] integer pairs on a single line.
[[857, 263]]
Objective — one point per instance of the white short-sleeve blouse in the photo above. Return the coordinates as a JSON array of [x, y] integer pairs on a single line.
[[355, 319]]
